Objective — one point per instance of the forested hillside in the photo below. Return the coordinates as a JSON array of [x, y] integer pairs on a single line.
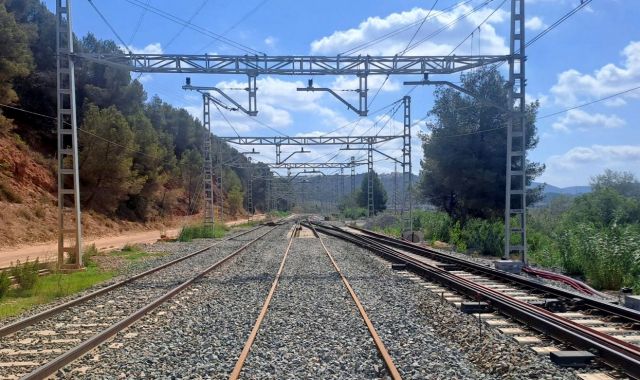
[[140, 158]]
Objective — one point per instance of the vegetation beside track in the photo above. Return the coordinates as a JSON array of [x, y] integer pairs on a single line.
[[38, 290], [593, 236], [200, 231]]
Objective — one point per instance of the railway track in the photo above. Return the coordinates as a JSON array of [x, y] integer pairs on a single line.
[[297, 232], [583, 322], [37, 346]]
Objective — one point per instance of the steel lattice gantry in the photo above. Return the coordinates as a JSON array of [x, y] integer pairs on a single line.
[[367, 143], [254, 65]]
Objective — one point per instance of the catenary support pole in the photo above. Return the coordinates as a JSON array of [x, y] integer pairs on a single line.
[[515, 216], [207, 168], [69, 215]]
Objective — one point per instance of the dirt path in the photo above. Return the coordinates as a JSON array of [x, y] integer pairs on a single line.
[[48, 251]]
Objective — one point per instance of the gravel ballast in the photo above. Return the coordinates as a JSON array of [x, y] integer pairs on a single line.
[[313, 329], [430, 339], [198, 334], [62, 331]]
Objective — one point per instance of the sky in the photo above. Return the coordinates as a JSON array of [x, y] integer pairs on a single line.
[[593, 54]]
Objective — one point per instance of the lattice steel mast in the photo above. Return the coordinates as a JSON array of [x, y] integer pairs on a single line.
[[515, 216], [69, 217]]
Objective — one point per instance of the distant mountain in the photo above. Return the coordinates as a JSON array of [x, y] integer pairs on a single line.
[[571, 190]]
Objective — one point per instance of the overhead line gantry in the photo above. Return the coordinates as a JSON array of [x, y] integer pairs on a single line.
[[298, 65]]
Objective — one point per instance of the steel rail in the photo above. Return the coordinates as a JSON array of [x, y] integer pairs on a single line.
[[614, 309], [388, 361], [237, 369], [28, 321], [51, 367], [613, 351]]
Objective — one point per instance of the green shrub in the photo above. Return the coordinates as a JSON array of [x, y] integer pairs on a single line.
[[456, 238], [26, 274], [484, 236], [89, 252], [5, 283], [435, 225], [354, 212], [200, 231]]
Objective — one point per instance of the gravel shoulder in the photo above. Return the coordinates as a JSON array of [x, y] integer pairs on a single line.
[[428, 338], [313, 328]]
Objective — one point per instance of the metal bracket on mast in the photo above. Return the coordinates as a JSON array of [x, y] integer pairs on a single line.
[[252, 89], [362, 109], [477, 97], [278, 162]]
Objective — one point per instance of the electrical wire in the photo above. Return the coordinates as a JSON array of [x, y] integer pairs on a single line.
[[124, 44], [583, 3], [194, 27], [183, 27], [589, 103], [225, 119], [449, 25], [138, 24], [478, 27], [399, 30]]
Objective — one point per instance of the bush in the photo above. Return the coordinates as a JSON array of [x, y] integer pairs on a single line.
[[200, 231], [5, 283], [89, 252], [436, 225], [484, 236], [26, 274], [354, 212], [456, 238], [7, 194]]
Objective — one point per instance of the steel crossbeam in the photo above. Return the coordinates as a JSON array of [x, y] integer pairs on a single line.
[[309, 140], [253, 65]]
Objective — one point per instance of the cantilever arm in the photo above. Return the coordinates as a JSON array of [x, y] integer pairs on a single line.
[[461, 89]]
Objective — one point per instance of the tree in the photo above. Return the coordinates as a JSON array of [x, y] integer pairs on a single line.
[[106, 159], [463, 169], [191, 173], [379, 193], [625, 183], [15, 58]]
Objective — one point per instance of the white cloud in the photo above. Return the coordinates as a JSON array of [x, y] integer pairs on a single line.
[[534, 23], [584, 119], [270, 41], [155, 48], [573, 86], [373, 27], [580, 163]]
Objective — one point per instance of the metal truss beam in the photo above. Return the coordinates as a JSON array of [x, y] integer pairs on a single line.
[[311, 140], [315, 165], [291, 64]]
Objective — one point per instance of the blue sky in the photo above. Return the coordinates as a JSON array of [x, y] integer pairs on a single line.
[[592, 55]]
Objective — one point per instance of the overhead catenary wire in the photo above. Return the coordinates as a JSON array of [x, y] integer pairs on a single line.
[[400, 30], [478, 27], [583, 3], [195, 28], [138, 24], [113, 30], [183, 27]]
